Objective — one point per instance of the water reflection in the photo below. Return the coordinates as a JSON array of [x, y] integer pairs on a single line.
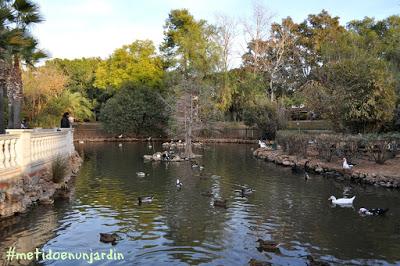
[[183, 227]]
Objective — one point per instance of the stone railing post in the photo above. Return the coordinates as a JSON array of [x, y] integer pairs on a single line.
[[23, 147]]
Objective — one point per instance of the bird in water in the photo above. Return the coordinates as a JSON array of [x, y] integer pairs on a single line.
[[220, 203], [342, 201], [372, 212], [314, 262], [109, 238], [179, 184], [245, 191], [145, 199], [140, 174], [347, 192], [269, 246], [306, 175]]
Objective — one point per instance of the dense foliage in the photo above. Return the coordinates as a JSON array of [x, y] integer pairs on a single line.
[[135, 109], [346, 74]]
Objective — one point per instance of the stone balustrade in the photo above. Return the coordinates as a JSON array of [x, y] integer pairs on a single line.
[[23, 151]]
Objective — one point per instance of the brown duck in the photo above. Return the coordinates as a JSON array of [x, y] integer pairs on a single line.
[[269, 246], [109, 238], [220, 203]]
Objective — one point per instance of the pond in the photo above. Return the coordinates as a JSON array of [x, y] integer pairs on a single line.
[[182, 227]]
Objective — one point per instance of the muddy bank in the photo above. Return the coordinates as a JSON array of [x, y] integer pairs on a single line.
[[17, 195], [366, 172]]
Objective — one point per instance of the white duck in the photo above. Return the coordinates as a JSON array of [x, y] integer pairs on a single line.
[[140, 174], [120, 145], [179, 184], [342, 201], [262, 144], [346, 165]]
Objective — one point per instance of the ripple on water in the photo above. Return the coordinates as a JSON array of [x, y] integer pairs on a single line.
[[183, 227]]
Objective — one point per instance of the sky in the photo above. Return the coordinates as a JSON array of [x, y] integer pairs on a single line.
[[95, 28]]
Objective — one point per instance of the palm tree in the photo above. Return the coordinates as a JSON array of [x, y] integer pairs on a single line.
[[16, 16]]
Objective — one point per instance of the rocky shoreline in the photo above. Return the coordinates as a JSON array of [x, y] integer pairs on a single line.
[[330, 170], [17, 195]]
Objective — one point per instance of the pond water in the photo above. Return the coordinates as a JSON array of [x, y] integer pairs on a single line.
[[184, 228]]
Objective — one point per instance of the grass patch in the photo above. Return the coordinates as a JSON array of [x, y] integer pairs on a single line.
[[59, 169]]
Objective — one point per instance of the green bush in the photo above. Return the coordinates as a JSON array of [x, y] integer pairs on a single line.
[[135, 109], [264, 115], [59, 169]]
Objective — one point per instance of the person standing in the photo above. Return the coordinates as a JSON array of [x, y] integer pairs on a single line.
[[65, 121]]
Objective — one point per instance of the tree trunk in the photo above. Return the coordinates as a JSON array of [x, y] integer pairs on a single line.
[[16, 93], [271, 90], [4, 77], [2, 128], [188, 135]]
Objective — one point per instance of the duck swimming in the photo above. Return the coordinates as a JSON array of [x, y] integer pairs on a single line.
[[109, 238], [372, 212], [245, 191], [342, 201], [220, 203], [313, 262], [145, 199], [179, 184], [269, 246], [140, 174]]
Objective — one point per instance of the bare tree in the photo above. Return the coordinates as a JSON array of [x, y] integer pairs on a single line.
[[276, 52], [226, 34], [256, 29]]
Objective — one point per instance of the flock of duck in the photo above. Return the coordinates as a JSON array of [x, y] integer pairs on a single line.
[[244, 191], [344, 202]]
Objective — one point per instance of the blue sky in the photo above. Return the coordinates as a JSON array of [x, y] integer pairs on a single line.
[[85, 28]]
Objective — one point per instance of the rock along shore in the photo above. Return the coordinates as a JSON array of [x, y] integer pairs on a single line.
[[358, 174], [17, 195]]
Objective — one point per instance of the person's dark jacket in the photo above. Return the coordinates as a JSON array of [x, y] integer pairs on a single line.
[[65, 122]]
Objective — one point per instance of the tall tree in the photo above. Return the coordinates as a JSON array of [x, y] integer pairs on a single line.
[[18, 16], [190, 49], [135, 63]]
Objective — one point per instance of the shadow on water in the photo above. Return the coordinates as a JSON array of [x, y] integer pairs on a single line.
[[183, 227]]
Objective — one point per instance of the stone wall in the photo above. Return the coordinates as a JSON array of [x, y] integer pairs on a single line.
[[18, 194]]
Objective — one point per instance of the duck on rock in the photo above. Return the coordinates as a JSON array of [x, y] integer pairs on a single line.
[[346, 165], [262, 144]]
